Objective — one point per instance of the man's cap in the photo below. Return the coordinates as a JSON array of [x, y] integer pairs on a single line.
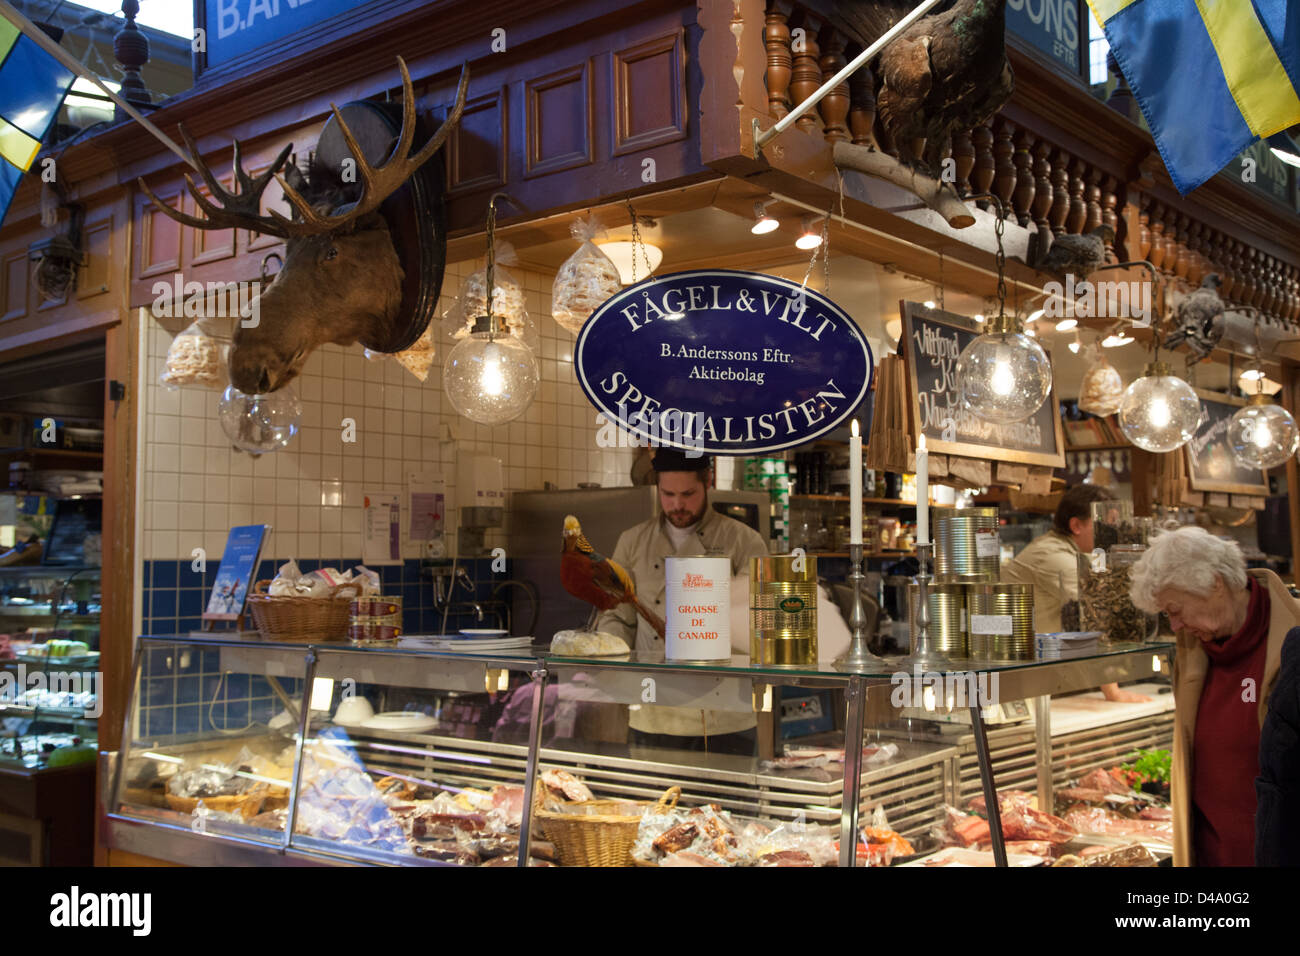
[[675, 459]]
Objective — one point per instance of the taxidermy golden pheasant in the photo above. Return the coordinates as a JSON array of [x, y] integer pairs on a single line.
[[596, 579]]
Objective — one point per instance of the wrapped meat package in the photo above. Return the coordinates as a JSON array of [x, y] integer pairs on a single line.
[[197, 357], [1102, 389], [587, 278]]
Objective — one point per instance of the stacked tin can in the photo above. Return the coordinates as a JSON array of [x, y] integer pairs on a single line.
[[1000, 621], [772, 475], [783, 611], [966, 545], [971, 614]]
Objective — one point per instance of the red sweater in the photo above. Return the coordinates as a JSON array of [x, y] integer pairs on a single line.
[[1225, 750]]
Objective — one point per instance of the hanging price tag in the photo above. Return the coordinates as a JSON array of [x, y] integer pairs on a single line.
[[990, 623]]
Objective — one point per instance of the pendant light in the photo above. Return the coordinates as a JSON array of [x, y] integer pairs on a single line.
[[1159, 411], [1004, 375], [490, 377], [259, 424], [1263, 434]]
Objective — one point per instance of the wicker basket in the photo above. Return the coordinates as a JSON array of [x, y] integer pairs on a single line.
[[595, 838], [298, 619]]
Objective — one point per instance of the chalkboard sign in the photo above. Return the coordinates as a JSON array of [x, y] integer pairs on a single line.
[[1210, 465], [931, 342]]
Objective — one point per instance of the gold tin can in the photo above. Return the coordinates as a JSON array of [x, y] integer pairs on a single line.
[[1000, 621], [947, 618], [966, 543], [783, 611]]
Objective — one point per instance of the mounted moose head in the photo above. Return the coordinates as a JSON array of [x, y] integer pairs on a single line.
[[342, 279]]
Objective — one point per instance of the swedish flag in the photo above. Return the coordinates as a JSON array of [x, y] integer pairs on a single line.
[[32, 87], [1211, 76]]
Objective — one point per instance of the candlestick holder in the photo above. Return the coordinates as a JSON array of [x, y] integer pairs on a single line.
[[857, 657], [923, 651]]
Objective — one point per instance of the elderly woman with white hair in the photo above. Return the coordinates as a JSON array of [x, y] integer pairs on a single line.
[[1230, 624]]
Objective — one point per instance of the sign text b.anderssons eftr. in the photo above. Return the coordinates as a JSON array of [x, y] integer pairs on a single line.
[[723, 362]]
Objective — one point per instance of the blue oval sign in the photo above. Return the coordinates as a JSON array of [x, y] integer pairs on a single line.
[[723, 362]]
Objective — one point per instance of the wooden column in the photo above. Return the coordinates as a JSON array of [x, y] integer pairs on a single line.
[[776, 38]]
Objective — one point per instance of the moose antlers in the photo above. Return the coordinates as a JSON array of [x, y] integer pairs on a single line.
[[243, 209]]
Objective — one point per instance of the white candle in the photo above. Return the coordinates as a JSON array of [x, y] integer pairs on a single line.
[[922, 492], [855, 486]]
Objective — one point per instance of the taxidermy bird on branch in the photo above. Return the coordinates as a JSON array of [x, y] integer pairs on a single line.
[[946, 73], [596, 579], [1200, 319], [1079, 255]]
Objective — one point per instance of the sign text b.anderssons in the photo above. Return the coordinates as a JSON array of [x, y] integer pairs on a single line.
[[723, 362]]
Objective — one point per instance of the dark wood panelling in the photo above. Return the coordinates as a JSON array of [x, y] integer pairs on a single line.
[[96, 275], [13, 286], [210, 245], [558, 120], [649, 94], [160, 237], [477, 150]]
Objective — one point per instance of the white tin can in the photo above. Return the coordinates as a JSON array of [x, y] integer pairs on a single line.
[[698, 625]]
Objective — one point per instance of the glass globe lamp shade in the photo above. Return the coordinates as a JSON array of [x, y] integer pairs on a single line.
[[259, 424], [1263, 435], [490, 378], [1159, 411], [1004, 375]]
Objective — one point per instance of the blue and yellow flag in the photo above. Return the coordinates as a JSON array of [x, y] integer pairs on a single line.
[[32, 87], [1211, 76]]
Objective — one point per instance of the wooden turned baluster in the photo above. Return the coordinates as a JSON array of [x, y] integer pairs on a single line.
[[1219, 258], [1060, 211], [1235, 270], [1110, 216], [806, 73], [776, 37], [963, 152], [1261, 279], [1156, 254], [1092, 194], [981, 177], [1182, 259], [1004, 170], [1195, 262], [1144, 229], [1074, 223], [835, 105], [1294, 314], [1270, 285], [1248, 286], [862, 109], [1022, 200], [1042, 205]]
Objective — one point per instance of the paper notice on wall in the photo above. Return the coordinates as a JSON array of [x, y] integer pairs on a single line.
[[427, 494], [381, 528]]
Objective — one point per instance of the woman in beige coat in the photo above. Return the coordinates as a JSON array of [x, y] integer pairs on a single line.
[[1229, 625]]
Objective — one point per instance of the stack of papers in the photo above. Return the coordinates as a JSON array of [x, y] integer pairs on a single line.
[[1066, 643], [468, 645]]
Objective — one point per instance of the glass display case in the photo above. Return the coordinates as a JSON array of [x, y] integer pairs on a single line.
[[49, 659], [249, 751]]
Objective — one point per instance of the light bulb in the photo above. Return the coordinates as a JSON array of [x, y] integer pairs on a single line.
[[1003, 380], [490, 380], [763, 223], [259, 424], [810, 239], [1065, 325], [928, 303], [1263, 435], [1159, 411], [1074, 347], [1004, 376], [493, 381]]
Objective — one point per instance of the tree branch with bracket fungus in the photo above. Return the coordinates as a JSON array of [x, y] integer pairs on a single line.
[[937, 195]]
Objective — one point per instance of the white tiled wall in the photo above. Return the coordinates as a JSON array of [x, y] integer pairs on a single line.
[[196, 486]]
